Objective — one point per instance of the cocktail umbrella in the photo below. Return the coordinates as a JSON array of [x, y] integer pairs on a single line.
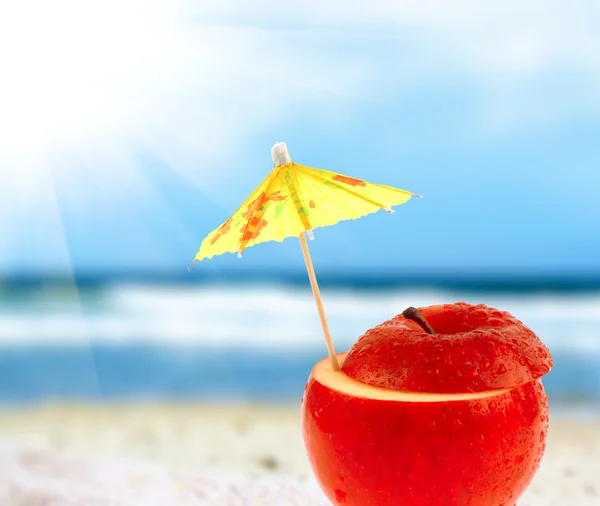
[[292, 201]]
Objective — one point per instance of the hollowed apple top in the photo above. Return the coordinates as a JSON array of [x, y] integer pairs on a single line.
[[475, 349]]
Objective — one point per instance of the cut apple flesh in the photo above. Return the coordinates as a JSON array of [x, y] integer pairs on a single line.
[[336, 380]]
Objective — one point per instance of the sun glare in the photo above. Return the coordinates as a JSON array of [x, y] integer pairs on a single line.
[[67, 69], [88, 86], [77, 80]]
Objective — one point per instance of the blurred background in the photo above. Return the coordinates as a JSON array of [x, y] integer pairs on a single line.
[[129, 130]]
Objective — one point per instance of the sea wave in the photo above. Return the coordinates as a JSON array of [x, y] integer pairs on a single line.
[[274, 317], [145, 341]]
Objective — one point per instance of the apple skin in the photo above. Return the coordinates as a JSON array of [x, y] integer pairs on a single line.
[[476, 348], [366, 451]]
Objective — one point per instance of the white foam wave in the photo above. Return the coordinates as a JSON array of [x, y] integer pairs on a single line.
[[272, 316]]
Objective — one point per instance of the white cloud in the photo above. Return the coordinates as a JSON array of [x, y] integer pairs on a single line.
[[497, 37], [529, 62], [186, 78], [180, 74]]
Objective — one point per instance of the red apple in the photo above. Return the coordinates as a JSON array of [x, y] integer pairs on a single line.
[[458, 418]]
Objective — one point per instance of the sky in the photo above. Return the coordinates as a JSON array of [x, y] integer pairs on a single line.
[[130, 129]]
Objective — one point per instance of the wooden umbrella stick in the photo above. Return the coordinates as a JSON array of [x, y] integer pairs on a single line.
[[317, 294]]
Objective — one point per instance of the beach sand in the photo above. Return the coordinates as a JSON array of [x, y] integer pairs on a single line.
[[192, 454]]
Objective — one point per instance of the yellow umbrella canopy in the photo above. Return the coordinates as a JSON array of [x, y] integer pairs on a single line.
[[293, 200]]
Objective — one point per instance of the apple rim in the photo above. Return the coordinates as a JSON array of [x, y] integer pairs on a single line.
[[326, 375]]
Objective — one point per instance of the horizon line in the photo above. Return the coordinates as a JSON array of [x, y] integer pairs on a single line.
[[506, 280]]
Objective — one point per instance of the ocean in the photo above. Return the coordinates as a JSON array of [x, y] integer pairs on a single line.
[[145, 341]]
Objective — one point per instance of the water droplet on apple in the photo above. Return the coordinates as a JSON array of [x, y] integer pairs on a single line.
[[340, 496], [492, 349], [501, 369], [471, 372]]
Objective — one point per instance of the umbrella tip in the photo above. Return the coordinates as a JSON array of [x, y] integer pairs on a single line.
[[280, 154]]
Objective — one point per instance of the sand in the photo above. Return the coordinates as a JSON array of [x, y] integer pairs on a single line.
[[182, 455]]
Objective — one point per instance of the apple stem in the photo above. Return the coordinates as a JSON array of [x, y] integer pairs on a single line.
[[412, 313]]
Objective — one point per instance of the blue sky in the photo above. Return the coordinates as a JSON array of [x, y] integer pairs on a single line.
[[123, 152]]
